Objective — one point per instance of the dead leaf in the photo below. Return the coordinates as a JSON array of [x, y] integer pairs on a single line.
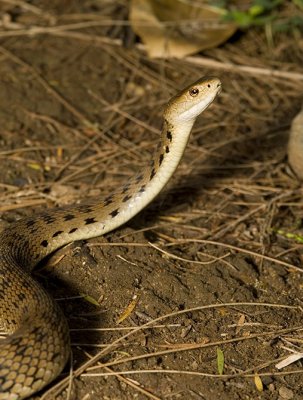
[[240, 323], [176, 28], [258, 383], [129, 309], [289, 360], [89, 299]]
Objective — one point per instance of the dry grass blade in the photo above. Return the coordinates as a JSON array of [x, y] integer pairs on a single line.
[[245, 69], [193, 373], [239, 249], [173, 256], [61, 385]]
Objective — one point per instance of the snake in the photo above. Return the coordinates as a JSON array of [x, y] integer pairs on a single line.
[[37, 346], [295, 145]]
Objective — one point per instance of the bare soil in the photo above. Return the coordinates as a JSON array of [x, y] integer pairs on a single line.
[[214, 257]]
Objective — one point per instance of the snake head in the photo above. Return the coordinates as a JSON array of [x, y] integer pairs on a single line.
[[191, 101]]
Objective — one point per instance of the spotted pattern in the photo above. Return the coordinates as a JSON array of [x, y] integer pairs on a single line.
[[152, 174], [48, 219], [85, 209], [126, 198], [68, 217], [57, 233], [30, 222], [108, 200], [139, 178], [91, 220], [161, 158], [125, 188], [114, 213]]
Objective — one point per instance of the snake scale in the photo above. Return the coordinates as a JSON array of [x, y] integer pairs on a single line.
[[38, 345]]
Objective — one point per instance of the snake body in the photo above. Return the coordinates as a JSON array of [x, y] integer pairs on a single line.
[[295, 145], [38, 346]]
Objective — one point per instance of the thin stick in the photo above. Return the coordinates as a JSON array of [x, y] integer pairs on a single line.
[[228, 66], [229, 246]]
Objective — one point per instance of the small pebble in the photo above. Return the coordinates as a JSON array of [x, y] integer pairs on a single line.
[[285, 393]]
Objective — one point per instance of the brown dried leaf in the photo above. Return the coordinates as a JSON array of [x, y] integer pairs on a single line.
[[129, 309], [174, 28]]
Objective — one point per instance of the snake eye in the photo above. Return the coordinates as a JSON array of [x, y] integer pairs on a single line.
[[193, 92]]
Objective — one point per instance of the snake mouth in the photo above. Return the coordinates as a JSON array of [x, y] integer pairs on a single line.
[[219, 86]]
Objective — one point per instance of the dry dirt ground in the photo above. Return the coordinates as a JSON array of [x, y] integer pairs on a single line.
[[214, 257]]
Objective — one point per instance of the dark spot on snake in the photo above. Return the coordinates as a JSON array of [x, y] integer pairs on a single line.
[[142, 189], [33, 230], [161, 159], [44, 243], [35, 330], [152, 174], [68, 217], [56, 356], [30, 223], [15, 304], [114, 213], [126, 198], [169, 136], [84, 208], [167, 149], [139, 178], [57, 233], [108, 200], [15, 340], [73, 230], [40, 337], [90, 221], [48, 219], [125, 188], [21, 296]]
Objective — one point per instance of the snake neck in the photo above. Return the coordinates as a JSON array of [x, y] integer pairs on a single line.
[[55, 228]]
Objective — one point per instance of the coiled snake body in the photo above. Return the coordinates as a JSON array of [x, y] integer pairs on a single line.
[[38, 347]]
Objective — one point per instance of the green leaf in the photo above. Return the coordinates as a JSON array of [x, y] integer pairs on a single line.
[[89, 299], [298, 3], [256, 10], [290, 235], [220, 360]]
